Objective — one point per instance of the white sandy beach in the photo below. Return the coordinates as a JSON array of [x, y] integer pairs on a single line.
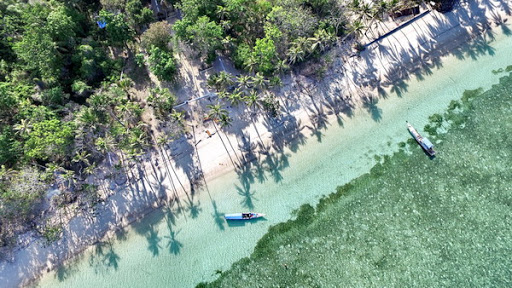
[[350, 82]]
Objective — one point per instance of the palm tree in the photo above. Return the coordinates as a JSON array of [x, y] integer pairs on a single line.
[[81, 157], [125, 84], [69, 176], [130, 112], [251, 63], [316, 41], [105, 145], [23, 128], [259, 81], [178, 116], [295, 54], [89, 170], [88, 117], [222, 12], [393, 6], [382, 8], [357, 28], [354, 5], [226, 24], [223, 80], [244, 82], [222, 94], [321, 40], [235, 98], [216, 112], [137, 139], [225, 120], [282, 66], [7, 173], [304, 44], [252, 101], [271, 104], [365, 12], [228, 41]]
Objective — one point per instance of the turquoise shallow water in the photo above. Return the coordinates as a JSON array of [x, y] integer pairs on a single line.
[[412, 221], [180, 249]]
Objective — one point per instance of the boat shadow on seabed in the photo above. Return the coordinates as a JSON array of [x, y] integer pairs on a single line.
[[243, 223]]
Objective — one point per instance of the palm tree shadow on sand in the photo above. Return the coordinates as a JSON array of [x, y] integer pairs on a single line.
[[370, 104]]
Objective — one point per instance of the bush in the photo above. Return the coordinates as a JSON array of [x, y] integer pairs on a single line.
[[54, 96], [162, 101], [49, 139], [8, 153], [162, 64], [157, 35], [20, 192], [52, 233], [139, 59]]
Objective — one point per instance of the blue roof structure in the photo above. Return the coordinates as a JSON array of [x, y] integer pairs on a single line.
[[102, 24]]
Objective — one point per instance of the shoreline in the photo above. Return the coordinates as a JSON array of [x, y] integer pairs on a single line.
[[211, 171]]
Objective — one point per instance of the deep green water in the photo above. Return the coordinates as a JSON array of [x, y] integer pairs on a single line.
[[412, 221], [180, 246]]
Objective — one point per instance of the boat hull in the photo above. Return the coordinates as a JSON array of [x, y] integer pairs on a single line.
[[422, 141], [243, 216]]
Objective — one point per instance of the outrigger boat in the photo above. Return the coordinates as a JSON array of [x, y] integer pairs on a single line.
[[423, 141], [243, 216]]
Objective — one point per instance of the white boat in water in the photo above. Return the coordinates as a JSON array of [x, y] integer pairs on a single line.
[[243, 216], [423, 141]]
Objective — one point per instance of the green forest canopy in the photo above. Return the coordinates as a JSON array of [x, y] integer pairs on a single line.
[[65, 103]]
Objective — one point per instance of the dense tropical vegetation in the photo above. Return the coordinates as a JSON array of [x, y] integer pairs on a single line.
[[65, 99]]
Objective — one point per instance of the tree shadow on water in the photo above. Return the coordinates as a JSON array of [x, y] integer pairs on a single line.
[[65, 271], [172, 243], [153, 241], [259, 172], [218, 217], [399, 87], [247, 195], [104, 258], [370, 104], [112, 258], [121, 234], [192, 207], [506, 30], [275, 163]]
